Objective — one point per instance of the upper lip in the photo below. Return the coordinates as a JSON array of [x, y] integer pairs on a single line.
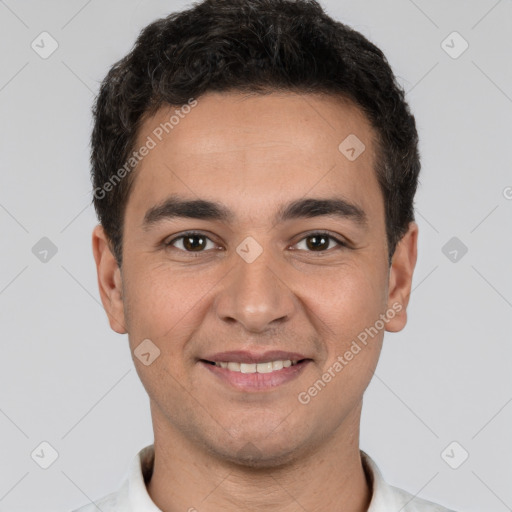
[[247, 356]]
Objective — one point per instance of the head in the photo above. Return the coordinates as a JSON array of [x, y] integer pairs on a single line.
[[282, 140]]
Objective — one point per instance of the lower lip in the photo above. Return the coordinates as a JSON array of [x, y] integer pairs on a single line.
[[257, 381]]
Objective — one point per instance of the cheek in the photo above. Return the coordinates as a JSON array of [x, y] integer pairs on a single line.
[[349, 309], [347, 299], [163, 307], [161, 303], [349, 304]]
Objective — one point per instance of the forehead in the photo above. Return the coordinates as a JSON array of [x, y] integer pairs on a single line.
[[224, 122], [257, 148]]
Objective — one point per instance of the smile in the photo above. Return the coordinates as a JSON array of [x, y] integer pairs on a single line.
[[268, 367], [255, 377]]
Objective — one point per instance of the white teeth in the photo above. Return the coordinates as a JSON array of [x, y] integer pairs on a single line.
[[256, 367], [248, 368], [264, 367], [277, 365]]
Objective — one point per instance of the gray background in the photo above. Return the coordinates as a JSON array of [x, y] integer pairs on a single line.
[[65, 378]]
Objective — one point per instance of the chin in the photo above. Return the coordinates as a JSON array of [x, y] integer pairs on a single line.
[[257, 450], [252, 457]]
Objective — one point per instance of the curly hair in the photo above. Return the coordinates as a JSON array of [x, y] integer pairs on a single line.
[[254, 46]]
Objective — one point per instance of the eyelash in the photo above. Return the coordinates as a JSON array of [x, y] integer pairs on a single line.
[[307, 235]]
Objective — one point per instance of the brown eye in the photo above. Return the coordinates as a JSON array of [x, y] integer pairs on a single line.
[[194, 242], [190, 242], [319, 242]]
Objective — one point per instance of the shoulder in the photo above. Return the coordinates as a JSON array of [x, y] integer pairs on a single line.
[[410, 503], [106, 504], [132, 494], [386, 497]]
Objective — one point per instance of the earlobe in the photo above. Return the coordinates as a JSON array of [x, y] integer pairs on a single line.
[[400, 278], [109, 280]]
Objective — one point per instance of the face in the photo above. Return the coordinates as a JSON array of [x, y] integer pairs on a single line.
[[282, 256]]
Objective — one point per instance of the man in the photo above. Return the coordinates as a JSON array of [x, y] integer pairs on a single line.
[[254, 167]]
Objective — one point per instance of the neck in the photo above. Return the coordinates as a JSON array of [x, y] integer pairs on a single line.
[[328, 477]]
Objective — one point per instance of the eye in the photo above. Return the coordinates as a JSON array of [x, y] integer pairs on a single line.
[[319, 242], [194, 242], [191, 242]]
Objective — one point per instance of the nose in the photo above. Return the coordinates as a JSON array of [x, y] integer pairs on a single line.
[[255, 294]]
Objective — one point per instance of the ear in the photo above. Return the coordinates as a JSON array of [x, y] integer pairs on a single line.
[[400, 278], [109, 280]]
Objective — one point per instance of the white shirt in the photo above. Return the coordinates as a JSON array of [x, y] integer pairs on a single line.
[[133, 496]]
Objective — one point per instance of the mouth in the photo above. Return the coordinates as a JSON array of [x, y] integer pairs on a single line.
[[250, 371], [265, 367]]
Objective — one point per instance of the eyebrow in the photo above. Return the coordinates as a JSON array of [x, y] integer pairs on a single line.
[[176, 207]]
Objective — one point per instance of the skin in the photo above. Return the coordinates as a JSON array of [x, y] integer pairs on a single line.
[[218, 448]]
